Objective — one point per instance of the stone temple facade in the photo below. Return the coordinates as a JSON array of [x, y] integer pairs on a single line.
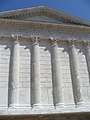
[[44, 65]]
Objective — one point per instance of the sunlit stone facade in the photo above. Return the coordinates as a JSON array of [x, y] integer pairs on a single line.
[[44, 65]]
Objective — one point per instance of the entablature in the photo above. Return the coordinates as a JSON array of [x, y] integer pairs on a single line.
[[41, 25]]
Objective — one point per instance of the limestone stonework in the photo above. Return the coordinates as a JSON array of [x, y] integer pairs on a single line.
[[44, 65]]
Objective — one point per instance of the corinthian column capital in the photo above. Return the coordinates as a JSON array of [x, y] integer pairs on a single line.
[[16, 38], [35, 39], [53, 40], [71, 41], [86, 43]]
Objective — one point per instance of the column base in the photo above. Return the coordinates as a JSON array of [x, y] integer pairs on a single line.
[[80, 104], [24, 107], [59, 106], [37, 106], [13, 106], [48, 106]]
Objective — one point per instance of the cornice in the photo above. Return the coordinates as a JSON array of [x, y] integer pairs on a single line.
[[41, 25], [46, 11]]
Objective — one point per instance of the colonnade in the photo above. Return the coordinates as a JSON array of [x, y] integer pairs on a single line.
[[56, 73]]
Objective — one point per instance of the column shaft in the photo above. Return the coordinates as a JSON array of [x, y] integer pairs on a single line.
[[87, 55], [74, 74], [14, 75], [56, 76], [36, 73]]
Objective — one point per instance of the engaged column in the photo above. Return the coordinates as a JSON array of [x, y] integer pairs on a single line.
[[56, 76], [14, 73], [36, 85], [74, 74], [87, 55]]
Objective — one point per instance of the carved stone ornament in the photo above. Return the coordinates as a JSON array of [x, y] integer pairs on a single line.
[[86, 43], [16, 37], [71, 41], [35, 39], [53, 40]]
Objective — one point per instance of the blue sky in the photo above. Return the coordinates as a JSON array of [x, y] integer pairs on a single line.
[[79, 8]]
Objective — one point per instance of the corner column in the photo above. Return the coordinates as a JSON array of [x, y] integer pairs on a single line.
[[36, 84], [14, 73], [56, 76], [74, 74]]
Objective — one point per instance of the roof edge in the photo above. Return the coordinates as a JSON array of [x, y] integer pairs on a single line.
[[54, 12]]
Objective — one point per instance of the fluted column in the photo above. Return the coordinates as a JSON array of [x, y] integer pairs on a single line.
[[74, 74], [87, 55], [56, 75], [14, 73], [36, 85]]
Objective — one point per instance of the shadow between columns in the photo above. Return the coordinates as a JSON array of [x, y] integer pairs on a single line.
[[84, 52], [9, 46], [29, 47]]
